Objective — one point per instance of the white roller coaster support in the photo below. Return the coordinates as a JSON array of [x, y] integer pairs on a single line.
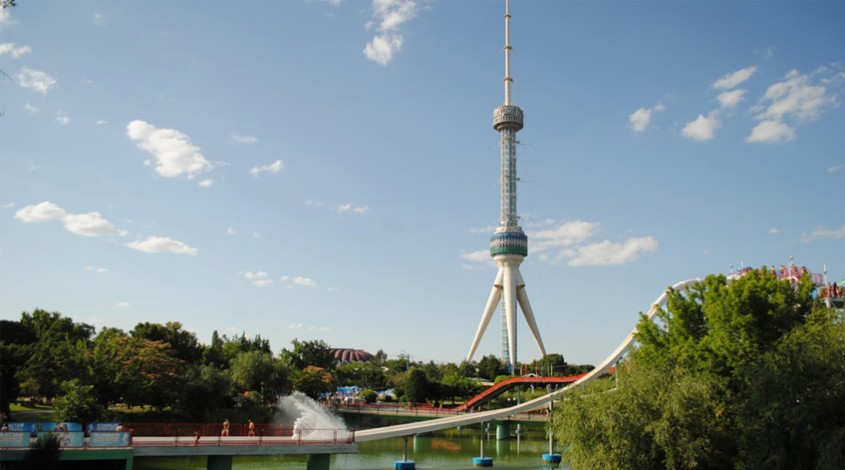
[[472, 418]]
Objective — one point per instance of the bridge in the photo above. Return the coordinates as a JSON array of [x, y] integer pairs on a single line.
[[186, 440]]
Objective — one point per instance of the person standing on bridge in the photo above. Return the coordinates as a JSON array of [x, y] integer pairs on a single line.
[[225, 431], [251, 428]]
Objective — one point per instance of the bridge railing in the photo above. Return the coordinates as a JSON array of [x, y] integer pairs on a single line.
[[68, 439], [210, 434]]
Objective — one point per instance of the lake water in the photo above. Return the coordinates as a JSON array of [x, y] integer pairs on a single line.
[[450, 449]]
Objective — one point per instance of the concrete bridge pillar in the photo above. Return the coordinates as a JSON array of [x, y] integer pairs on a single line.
[[319, 462], [503, 431], [219, 462]]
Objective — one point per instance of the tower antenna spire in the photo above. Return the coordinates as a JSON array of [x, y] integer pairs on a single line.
[[508, 79]]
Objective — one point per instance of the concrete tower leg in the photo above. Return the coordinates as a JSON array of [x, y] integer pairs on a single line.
[[522, 296], [509, 294], [492, 302]]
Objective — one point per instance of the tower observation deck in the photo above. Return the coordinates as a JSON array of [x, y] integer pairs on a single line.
[[508, 244]]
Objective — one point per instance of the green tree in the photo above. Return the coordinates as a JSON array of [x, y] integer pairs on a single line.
[[362, 374], [58, 353], [309, 353], [207, 393], [184, 344], [679, 403], [314, 381], [369, 395], [44, 453], [148, 374], [418, 388], [257, 371], [240, 343], [213, 353], [16, 344], [77, 403], [490, 367], [793, 408]]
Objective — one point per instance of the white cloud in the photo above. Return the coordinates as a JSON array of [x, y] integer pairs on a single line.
[[821, 233], [98, 19], [836, 168], [90, 224], [295, 326], [244, 139], [729, 99], [258, 278], [771, 132], [382, 48], [13, 51], [37, 80], [123, 304], [101, 122], [156, 244], [390, 16], [230, 231], [641, 118], [274, 167], [702, 128], [5, 19], [393, 13], [174, 153], [479, 256], [774, 231], [206, 183], [353, 208], [795, 97], [304, 281], [62, 118], [347, 207], [608, 253], [566, 234], [30, 108], [41, 212], [799, 99], [734, 78], [94, 269]]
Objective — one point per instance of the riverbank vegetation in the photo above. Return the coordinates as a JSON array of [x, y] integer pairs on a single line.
[[51, 364], [747, 375]]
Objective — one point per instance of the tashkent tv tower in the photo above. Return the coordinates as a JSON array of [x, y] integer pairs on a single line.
[[509, 244]]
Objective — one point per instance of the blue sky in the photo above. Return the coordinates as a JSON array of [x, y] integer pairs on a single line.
[[328, 169]]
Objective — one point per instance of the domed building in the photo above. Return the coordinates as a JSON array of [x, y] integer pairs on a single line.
[[344, 355]]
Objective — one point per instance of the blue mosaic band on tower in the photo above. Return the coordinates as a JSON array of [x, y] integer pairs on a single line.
[[509, 243]]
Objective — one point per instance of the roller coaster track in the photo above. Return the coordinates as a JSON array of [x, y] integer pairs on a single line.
[[543, 401]]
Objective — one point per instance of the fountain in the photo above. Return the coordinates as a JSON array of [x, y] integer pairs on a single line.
[[310, 420]]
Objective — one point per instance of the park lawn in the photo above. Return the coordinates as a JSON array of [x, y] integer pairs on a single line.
[[121, 413], [37, 413]]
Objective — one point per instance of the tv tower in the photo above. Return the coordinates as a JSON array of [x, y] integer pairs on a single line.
[[509, 244]]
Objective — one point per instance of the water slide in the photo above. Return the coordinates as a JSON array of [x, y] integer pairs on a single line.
[[472, 418], [510, 383]]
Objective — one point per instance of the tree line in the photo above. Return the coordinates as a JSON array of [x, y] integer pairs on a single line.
[[46, 357]]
